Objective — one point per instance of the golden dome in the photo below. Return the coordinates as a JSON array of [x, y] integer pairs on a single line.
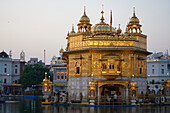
[[133, 84], [84, 18], [134, 19], [119, 30], [102, 27], [61, 50], [22, 53], [45, 79]]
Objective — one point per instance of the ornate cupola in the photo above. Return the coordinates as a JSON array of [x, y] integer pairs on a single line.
[[102, 28], [119, 31], [167, 85], [84, 23], [133, 25], [22, 56], [133, 87]]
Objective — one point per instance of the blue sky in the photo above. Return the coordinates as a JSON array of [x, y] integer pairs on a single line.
[[35, 25]]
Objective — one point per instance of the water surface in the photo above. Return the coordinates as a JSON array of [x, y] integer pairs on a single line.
[[34, 106]]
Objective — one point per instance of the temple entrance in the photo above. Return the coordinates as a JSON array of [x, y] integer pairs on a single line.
[[112, 94], [110, 90]]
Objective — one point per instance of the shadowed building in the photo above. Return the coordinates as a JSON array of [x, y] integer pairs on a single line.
[[108, 56]]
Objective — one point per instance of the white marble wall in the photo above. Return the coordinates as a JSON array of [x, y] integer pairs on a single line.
[[80, 84], [142, 85]]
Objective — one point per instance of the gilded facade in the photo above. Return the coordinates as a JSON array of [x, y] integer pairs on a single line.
[[108, 55]]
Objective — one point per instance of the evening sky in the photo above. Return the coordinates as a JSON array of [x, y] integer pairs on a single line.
[[35, 25]]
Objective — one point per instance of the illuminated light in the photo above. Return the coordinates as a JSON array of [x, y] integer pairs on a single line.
[[118, 71]]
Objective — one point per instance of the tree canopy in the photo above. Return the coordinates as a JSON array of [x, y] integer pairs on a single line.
[[33, 74]]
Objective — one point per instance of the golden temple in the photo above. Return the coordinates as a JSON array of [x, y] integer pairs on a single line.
[[107, 55]]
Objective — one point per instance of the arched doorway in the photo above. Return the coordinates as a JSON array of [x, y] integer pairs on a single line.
[[109, 91]]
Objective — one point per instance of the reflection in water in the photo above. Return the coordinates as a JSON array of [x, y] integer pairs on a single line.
[[72, 109], [34, 106]]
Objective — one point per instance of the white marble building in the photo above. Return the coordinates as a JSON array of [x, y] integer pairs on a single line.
[[158, 65], [9, 69]]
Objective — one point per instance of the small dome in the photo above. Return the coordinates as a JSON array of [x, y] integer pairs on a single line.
[[22, 53], [61, 50], [119, 30], [133, 84], [3, 55], [102, 27], [154, 56], [134, 19], [84, 18], [72, 32]]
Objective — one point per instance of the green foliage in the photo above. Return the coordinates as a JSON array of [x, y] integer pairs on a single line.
[[33, 74]]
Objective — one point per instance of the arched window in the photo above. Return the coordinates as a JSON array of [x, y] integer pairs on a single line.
[[104, 66], [62, 76], [77, 69], [111, 66], [58, 76], [140, 71]]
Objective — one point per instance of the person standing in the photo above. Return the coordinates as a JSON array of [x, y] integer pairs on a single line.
[[115, 98]]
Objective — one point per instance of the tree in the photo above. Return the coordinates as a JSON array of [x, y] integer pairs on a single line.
[[33, 74]]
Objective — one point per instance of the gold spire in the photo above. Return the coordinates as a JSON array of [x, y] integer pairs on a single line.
[[102, 18], [134, 12], [72, 29], [84, 10]]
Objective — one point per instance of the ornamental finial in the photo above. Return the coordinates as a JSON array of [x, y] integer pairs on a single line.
[[84, 10], [102, 18], [134, 12], [45, 75]]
